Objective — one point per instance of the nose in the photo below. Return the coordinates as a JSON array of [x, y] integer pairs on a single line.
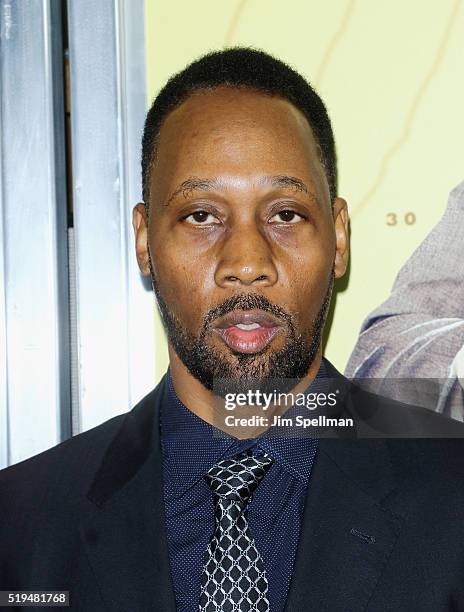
[[246, 259]]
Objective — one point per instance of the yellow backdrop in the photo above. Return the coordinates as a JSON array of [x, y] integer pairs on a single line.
[[391, 76]]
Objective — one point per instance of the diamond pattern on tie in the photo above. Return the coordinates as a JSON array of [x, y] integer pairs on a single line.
[[234, 578]]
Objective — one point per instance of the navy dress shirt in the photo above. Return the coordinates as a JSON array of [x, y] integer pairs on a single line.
[[190, 447]]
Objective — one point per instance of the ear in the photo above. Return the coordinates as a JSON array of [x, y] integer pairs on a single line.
[[342, 249], [140, 225]]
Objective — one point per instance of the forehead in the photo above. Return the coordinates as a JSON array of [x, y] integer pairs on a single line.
[[237, 131]]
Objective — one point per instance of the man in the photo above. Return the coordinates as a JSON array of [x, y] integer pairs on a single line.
[[172, 507], [418, 333]]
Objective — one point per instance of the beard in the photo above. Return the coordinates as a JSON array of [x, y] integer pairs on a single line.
[[266, 370]]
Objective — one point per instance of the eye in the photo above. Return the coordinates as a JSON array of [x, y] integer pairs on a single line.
[[201, 217], [286, 216]]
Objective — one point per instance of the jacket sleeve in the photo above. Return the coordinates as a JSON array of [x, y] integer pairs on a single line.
[[419, 330]]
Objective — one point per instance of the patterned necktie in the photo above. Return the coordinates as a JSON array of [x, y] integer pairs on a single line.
[[234, 578]]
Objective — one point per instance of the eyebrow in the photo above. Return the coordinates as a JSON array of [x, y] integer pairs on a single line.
[[193, 184], [204, 184], [283, 181]]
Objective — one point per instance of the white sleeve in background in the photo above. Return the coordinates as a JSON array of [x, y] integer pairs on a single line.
[[418, 332]]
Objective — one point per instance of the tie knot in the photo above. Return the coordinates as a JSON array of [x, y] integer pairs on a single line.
[[236, 478]]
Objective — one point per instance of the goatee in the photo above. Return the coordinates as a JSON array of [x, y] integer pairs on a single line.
[[240, 372]]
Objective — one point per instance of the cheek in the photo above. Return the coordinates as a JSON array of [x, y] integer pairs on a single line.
[[183, 284], [307, 268], [308, 276]]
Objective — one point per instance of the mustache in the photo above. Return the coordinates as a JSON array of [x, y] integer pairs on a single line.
[[247, 301]]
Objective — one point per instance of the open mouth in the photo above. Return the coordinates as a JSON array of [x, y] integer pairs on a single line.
[[247, 331]]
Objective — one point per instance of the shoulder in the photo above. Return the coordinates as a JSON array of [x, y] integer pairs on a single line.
[[64, 474], [393, 418], [428, 458], [430, 483], [418, 478], [77, 458], [48, 492], [68, 465]]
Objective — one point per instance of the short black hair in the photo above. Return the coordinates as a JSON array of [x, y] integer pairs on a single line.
[[241, 67]]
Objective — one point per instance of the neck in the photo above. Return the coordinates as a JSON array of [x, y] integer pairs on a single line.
[[209, 407]]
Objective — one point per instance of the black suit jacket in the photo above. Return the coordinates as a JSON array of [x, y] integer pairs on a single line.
[[383, 527]]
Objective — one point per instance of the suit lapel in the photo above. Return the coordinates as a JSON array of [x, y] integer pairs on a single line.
[[124, 530], [347, 533]]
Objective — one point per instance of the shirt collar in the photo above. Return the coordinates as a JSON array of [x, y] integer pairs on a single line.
[[191, 446]]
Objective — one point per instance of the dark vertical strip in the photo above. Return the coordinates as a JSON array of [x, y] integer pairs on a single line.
[[61, 163], [67, 108]]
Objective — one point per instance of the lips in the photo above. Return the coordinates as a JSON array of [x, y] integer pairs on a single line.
[[247, 331]]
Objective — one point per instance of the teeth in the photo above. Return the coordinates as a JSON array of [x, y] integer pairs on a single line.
[[249, 326]]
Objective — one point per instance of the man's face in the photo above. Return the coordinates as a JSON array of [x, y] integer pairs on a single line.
[[243, 239]]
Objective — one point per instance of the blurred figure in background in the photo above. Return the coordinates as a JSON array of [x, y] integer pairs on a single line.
[[413, 344]]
